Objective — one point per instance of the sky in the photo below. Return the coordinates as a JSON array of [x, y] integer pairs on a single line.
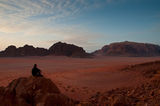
[[90, 24]]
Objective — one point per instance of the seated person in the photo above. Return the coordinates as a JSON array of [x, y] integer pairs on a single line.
[[36, 72]]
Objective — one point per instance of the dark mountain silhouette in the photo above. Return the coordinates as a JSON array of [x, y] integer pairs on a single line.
[[58, 49], [26, 50], [129, 49], [33, 91], [65, 49]]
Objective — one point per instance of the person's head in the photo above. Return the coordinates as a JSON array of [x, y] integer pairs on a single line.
[[35, 65]]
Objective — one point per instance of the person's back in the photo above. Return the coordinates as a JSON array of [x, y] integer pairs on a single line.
[[36, 72]]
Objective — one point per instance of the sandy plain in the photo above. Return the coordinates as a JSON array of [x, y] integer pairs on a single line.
[[78, 78]]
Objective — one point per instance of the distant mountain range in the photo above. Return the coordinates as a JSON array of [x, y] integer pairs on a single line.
[[129, 49], [58, 49], [63, 49]]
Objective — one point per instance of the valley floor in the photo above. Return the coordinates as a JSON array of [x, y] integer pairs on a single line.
[[78, 78]]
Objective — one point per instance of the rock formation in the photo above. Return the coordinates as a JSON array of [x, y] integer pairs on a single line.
[[10, 51], [33, 91], [64, 49], [26, 50], [58, 49], [129, 49], [145, 95]]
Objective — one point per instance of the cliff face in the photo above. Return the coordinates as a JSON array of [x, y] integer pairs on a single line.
[[33, 91], [64, 49], [129, 49]]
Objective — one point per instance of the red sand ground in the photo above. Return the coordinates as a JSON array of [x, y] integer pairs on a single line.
[[76, 77]]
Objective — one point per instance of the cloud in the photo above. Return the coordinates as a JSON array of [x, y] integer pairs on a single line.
[[17, 15], [31, 16], [27, 9], [111, 1]]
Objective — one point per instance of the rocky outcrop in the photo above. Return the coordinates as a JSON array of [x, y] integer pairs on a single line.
[[9, 51], [129, 49], [146, 94], [148, 69], [33, 91], [64, 49]]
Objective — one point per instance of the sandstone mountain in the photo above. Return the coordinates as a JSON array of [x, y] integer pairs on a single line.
[[26, 50], [33, 91], [64, 49], [58, 49], [129, 49]]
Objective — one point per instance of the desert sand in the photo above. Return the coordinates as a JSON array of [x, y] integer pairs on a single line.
[[78, 78]]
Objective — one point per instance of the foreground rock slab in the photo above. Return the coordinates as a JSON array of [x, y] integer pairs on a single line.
[[33, 91]]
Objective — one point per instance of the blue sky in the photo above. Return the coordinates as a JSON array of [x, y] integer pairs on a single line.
[[87, 23]]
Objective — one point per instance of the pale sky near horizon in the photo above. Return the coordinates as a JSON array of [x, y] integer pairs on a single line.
[[90, 24]]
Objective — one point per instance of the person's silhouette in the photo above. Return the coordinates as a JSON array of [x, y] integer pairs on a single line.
[[36, 72]]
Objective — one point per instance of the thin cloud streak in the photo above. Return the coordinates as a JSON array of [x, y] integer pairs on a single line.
[[25, 15]]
